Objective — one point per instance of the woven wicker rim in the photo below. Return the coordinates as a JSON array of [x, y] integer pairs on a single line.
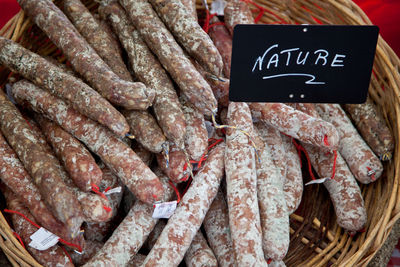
[[316, 239]]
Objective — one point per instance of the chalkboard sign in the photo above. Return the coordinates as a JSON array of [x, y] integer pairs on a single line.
[[302, 63]]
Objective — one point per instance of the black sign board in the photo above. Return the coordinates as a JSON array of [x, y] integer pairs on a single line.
[[302, 63]]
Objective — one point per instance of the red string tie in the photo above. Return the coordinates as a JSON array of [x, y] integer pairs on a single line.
[[19, 239], [38, 226]]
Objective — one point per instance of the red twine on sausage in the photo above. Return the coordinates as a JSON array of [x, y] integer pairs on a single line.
[[334, 157], [96, 189], [20, 214], [19, 239], [203, 157], [178, 195], [300, 149], [66, 252], [200, 162], [207, 26], [38, 226]]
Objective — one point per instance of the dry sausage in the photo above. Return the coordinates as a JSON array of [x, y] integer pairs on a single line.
[[296, 124], [77, 160], [40, 165], [145, 129], [130, 234], [237, 12], [53, 256], [98, 38], [271, 200], [216, 225], [178, 168], [241, 182], [223, 42], [196, 138], [189, 34], [148, 70], [362, 162], [199, 253], [183, 225], [61, 84], [171, 55], [114, 153], [84, 59], [372, 127], [14, 175], [293, 186]]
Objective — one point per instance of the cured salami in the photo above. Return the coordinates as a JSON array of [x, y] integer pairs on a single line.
[[145, 129], [297, 124], [272, 138], [196, 139], [130, 234], [219, 85], [223, 42], [189, 34], [137, 260], [190, 6], [372, 127], [171, 55], [61, 84], [271, 200], [51, 257], [178, 168], [343, 188], [155, 234], [98, 38], [77, 160], [83, 57], [183, 225], [14, 175], [293, 186], [114, 153], [241, 181], [237, 12], [148, 70], [41, 166], [199, 253], [362, 162], [216, 225]]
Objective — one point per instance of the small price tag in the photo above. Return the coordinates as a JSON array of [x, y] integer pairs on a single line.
[[114, 190], [43, 239], [218, 7], [318, 181], [164, 210]]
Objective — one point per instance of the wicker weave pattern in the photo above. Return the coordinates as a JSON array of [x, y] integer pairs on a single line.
[[316, 240]]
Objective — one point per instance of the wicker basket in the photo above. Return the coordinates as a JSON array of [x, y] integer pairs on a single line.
[[316, 239]]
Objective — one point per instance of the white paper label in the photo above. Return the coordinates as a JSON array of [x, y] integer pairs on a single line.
[[318, 181], [218, 7], [164, 210], [112, 191], [43, 239]]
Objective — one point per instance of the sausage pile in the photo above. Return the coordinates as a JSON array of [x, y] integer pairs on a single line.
[[146, 70]]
